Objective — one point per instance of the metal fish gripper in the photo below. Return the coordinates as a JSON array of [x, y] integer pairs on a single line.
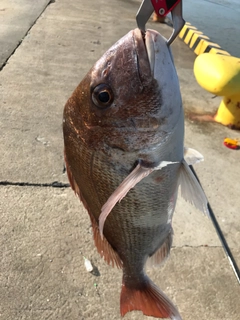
[[162, 8]]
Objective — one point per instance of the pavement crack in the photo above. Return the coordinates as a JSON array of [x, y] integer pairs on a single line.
[[24, 36], [54, 184], [196, 246]]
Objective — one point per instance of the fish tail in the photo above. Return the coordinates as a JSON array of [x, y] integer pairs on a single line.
[[149, 299]]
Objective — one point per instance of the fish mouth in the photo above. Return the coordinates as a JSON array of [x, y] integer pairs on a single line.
[[145, 65], [149, 48]]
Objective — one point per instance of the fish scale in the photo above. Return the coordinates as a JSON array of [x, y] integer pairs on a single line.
[[136, 206]]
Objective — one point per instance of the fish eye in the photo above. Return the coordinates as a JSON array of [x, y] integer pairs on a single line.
[[102, 96]]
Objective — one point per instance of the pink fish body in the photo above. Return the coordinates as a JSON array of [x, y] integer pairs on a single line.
[[123, 135]]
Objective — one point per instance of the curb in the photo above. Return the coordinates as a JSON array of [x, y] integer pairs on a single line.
[[198, 42]]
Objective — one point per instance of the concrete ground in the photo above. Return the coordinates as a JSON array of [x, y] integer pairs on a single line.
[[16, 18], [44, 231]]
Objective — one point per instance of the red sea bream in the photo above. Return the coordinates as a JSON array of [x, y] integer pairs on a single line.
[[123, 136]]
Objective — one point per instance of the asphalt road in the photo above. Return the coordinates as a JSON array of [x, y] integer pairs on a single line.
[[44, 231]]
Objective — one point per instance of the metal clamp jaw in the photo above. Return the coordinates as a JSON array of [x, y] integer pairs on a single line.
[[162, 8]]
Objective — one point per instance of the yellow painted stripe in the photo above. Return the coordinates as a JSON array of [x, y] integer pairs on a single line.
[[190, 35], [195, 38], [203, 45], [198, 42]]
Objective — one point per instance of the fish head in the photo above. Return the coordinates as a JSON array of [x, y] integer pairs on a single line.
[[130, 98]]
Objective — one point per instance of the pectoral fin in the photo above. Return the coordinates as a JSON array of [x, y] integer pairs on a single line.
[[128, 183], [191, 190]]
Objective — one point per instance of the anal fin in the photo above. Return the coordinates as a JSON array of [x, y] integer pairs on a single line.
[[162, 253]]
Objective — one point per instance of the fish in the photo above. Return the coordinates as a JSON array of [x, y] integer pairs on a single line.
[[123, 130]]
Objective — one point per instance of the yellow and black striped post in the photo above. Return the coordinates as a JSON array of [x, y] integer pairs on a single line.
[[198, 42]]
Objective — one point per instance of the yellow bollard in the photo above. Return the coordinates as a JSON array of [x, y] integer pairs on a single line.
[[220, 75], [229, 112]]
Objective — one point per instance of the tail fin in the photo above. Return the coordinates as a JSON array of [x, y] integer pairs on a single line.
[[149, 299]]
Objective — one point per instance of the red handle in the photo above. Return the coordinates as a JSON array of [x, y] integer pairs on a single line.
[[163, 7]]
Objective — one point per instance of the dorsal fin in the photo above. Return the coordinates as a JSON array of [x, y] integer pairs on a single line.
[[103, 246]]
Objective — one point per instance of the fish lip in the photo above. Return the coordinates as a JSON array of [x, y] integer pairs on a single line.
[[144, 65], [150, 39], [153, 50], [148, 51]]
